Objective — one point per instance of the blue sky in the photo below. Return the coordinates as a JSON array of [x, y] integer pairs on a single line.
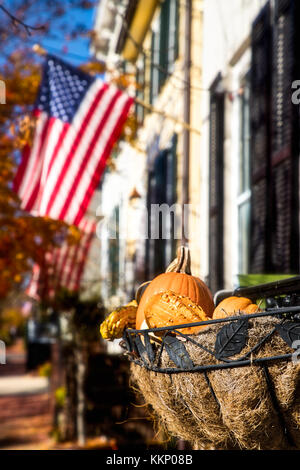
[[55, 41], [76, 50]]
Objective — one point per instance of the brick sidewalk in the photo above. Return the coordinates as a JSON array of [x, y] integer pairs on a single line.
[[25, 417], [12, 407], [15, 360], [29, 433]]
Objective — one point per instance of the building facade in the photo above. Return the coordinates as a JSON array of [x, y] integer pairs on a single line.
[[218, 131], [150, 44]]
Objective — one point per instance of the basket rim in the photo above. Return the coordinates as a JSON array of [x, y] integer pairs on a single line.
[[268, 312], [136, 353]]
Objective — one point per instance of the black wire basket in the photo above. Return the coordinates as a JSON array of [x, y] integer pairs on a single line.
[[282, 300], [282, 307]]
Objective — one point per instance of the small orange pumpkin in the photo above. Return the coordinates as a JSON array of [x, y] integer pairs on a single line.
[[232, 305], [178, 279]]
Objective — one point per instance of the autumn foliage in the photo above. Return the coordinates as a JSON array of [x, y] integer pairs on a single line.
[[23, 239]]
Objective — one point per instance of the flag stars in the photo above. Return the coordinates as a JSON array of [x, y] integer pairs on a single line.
[[62, 90]]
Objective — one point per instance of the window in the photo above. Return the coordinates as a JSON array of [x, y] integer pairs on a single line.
[[216, 187], [114, 247], [173, 34], [161, 190], [154, 77], [164, 47], [244, 192], [140, 90]]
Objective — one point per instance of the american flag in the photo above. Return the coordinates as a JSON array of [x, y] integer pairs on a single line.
[[68, 262], [63, 267], [79, 118]]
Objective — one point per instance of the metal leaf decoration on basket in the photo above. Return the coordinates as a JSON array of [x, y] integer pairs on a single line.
[[231, 339], [289, 332], [141, 349], [125, 343], [149, 348], [178, 353]]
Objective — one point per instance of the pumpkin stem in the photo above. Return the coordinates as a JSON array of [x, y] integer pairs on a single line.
[[182, 264], [141, 290]]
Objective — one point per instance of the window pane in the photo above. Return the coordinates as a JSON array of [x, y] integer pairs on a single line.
[[164, 45], [114, 252], [140, 91], [244, 228], [244, 161], [164, 42], [173, 34], [154, 86]]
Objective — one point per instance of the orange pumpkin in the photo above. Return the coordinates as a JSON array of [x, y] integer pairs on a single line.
[[252, 308], [232, 305], [178, 279]]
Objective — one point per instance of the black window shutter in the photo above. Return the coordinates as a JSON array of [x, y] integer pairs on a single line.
[[216, 188], [285, 139], [161, 190], [260, 112], [164, 42], [154, 71]]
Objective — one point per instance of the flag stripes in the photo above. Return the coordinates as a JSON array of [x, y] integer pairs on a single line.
[[64, 267]]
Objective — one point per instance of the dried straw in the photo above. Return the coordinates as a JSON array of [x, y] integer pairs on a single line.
[[243, 415]]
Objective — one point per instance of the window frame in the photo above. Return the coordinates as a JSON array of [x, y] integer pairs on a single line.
[[244, 195], [240, 74]]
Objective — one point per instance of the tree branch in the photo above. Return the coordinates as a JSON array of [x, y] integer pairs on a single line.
[[16, 21]]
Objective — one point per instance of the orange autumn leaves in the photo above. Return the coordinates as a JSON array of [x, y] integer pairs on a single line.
[[24, 239]]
